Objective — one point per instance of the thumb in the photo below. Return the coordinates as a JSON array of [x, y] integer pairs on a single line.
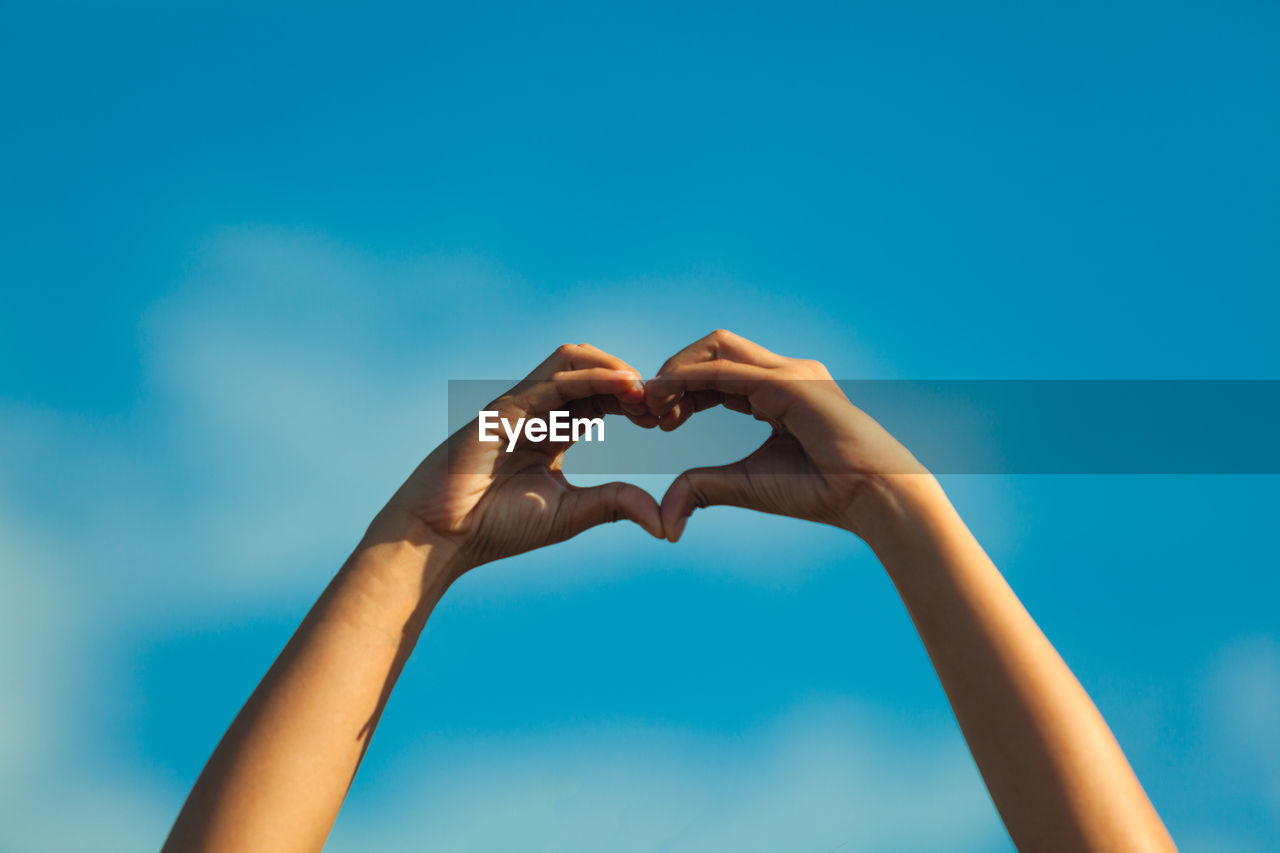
[[587, 507], [725, 485]]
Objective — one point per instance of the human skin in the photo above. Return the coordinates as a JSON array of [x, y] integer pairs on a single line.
[[279, 775], [1055, 772]]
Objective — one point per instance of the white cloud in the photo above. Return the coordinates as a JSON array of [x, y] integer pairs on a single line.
[[53, 796], [293, 382], [38, 629], [296, 381], [1245, 711]]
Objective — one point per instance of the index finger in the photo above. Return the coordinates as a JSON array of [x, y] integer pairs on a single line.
[[723, 344], [766, 391], [565, 386], [583, 356], [578, 357], [719, 345]]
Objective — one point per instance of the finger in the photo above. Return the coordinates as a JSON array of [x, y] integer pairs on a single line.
[[722, 485], [737, 403], [723, 344], [645, 420], [719, 346], [587, 507], [756, 384], [603, 404], [578, 357], [568, 385], [586, 355], [581, 357], [697, 401], [687, 406]]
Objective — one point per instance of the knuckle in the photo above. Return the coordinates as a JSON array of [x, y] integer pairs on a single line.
[[810, 367], [701, 500], [565, 349], [722, 335], [609, 505], [511, 406]]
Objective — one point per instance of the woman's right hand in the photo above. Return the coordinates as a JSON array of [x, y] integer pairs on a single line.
[[825, 461]]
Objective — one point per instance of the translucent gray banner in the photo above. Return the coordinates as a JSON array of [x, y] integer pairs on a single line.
[[973, 427]]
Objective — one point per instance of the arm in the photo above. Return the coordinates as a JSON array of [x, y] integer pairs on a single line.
[[1054, 770], [280, 774]]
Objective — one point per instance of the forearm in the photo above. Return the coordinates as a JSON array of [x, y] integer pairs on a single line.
[[279, 775], [1054, 770]]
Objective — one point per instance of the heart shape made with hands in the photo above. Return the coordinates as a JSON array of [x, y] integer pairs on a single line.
[[812, 466]]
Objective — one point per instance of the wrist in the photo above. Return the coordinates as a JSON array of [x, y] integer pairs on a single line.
[[896, 511], [390, 587], [404, 558], [920, 538], [402, 536]]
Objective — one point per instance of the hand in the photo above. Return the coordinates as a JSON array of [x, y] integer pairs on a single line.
[[824, 457], [487, 503]]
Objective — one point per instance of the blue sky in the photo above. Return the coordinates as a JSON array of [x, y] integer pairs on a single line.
[[245, 246]]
